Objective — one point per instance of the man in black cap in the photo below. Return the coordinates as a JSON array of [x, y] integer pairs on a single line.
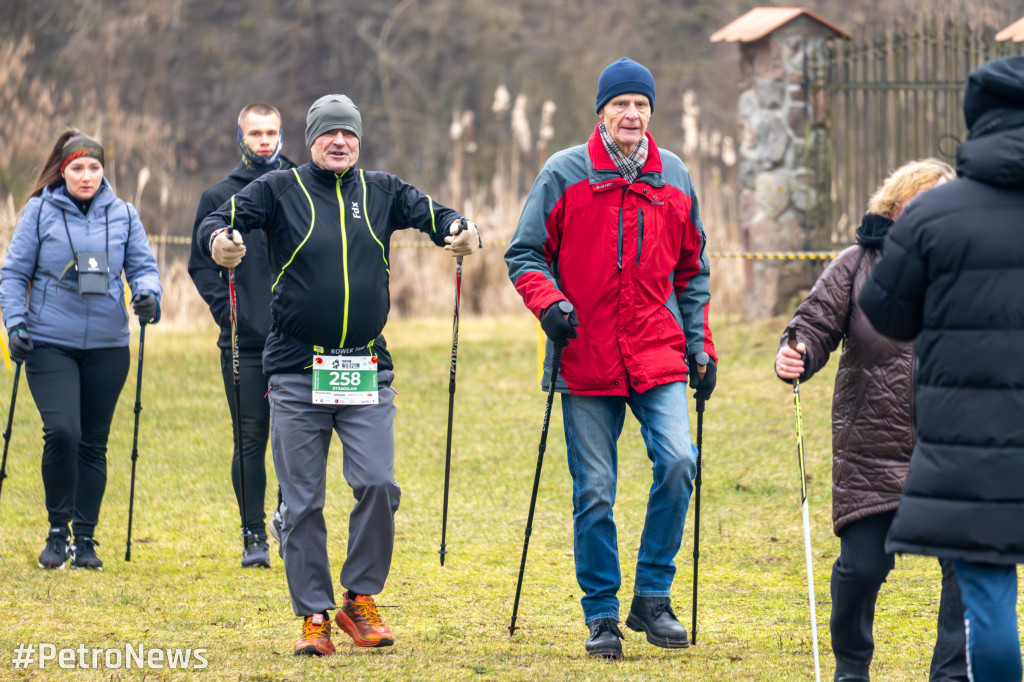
[[610, 241], [260, 141], [329, 226], [951, 276]]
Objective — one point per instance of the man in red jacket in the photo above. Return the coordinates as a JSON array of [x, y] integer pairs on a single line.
[[609, 252]]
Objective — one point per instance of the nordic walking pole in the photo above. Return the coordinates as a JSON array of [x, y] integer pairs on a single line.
[[10, 421], [237, 377], [702, 367], [451, 397], [791, 331], [556, 363], [135, 439]]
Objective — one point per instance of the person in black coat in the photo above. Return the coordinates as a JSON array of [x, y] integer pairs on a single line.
[[951, 277], [260, 141]]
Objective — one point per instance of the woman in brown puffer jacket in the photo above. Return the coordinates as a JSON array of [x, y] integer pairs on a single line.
[[872, 433]]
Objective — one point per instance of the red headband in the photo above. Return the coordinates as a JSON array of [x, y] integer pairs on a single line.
[[74, 155]]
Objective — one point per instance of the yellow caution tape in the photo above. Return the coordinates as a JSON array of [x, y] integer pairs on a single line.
[[776, 255]]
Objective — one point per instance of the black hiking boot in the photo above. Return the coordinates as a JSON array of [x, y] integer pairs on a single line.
[[57, 550], [654, 616], [851, 672], [604, 639], [84, 555], [256, 551]]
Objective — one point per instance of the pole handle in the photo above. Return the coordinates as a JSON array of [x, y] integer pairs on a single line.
[[702, 359], [791, 337]]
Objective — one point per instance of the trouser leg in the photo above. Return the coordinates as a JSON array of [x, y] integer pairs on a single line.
[[949, 659], [53, 379], [103, 373], [592, 428], [664, 425], [857, 575], [300, 434], [368, 442], [989, 593], [255, 427]]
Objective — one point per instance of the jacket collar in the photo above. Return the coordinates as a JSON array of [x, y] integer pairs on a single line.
[[603, 173], [328, 177], [59, 197]]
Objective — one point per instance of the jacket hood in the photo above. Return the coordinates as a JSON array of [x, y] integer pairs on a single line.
[[995, 159], [872, 230], [247, 175], [997, 84], [59, 196]]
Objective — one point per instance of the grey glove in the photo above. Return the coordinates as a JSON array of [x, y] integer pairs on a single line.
[[146, 306], [19, 343], [227, 248], [463, 241]]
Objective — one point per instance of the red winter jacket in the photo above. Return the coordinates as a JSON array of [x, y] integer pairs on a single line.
[[629, 256]]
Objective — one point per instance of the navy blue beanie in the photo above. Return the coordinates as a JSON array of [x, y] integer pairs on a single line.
[[621, 77]]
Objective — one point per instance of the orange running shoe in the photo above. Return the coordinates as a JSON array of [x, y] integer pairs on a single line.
[[316, 637], [359, 618]]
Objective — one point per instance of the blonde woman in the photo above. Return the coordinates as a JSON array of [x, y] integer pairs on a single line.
[[872, 433]]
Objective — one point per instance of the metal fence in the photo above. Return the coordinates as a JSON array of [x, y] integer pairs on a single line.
[[893, 94]]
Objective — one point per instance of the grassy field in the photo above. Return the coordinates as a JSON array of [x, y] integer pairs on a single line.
[[183, 587]]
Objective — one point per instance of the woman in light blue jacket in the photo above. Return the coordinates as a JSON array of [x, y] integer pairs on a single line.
[[63, 305]]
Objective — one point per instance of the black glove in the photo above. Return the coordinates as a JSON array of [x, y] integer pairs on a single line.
[[145, 305], [556, 326], [19, 343], [705, 386]]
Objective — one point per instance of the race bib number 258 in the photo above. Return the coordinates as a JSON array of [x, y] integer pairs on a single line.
[[344, 380]]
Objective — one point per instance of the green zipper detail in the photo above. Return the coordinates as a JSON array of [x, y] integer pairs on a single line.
[[232, 223], [344, 258], [312, 221], [433, 225], [366, 216]]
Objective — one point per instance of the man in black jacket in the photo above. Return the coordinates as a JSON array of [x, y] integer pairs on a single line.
[[260, 141], [329, 226], [951, 276]]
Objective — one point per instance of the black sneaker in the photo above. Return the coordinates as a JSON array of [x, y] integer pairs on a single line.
[[604, 639], [276, 521], [57, 550], [256, 551], [84, 555], [654, 616]]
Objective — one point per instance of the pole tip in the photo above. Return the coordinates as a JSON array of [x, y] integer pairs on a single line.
[[512, 630], [442, 552]]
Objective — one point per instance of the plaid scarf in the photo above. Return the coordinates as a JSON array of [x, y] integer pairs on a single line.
[[628, 165]]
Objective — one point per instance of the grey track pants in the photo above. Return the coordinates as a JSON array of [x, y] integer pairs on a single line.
[[300, 434]]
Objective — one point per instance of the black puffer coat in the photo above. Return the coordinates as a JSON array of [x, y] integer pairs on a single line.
[[872, 432], [952, 276]]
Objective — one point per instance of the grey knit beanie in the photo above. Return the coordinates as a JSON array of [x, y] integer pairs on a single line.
[[332, 112]]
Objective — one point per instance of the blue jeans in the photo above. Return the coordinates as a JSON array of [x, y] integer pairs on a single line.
[[592, 428], [990, 599]]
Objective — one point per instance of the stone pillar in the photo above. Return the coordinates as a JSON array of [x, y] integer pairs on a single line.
[[785, 185]]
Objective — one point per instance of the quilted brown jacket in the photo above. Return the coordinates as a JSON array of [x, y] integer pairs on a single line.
[[872, 413]]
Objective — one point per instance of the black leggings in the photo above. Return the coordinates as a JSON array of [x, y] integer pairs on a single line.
[[857, 575], [255, 431], [76, 392]]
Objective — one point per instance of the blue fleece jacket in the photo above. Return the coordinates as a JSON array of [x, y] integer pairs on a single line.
[[40, 290]]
